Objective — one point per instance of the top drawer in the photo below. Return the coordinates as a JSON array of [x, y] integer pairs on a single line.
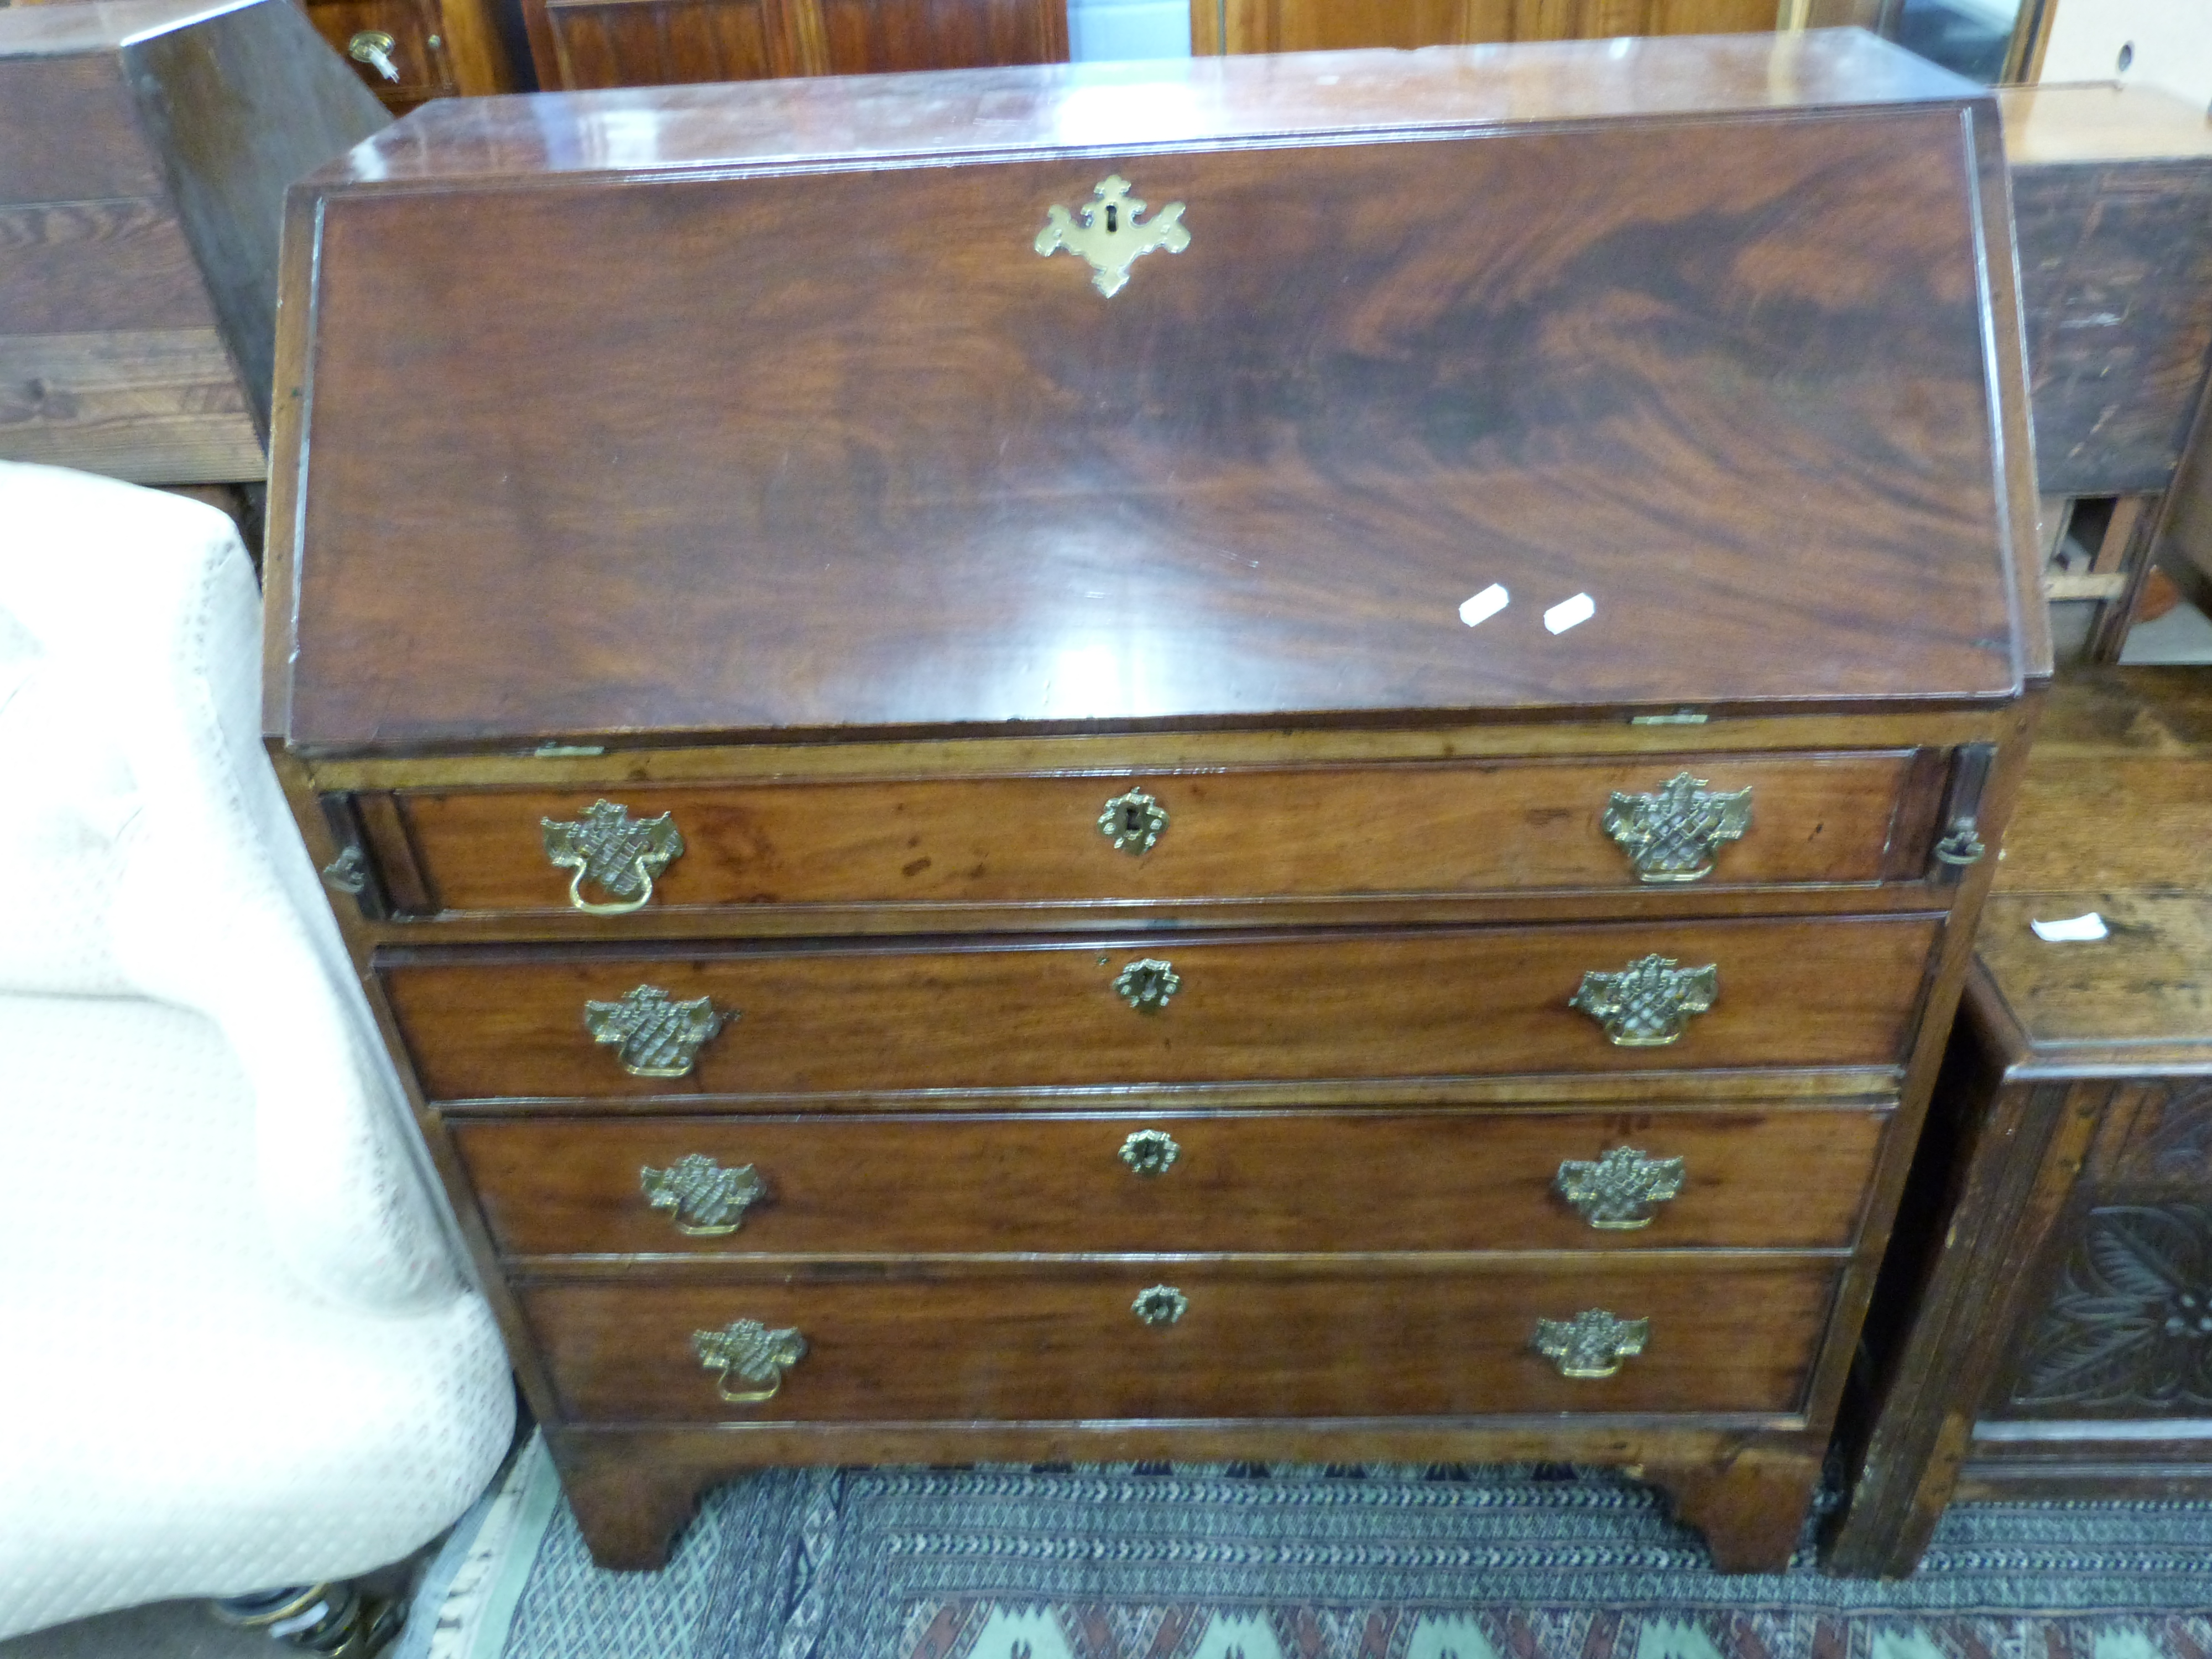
[[1401, 828]]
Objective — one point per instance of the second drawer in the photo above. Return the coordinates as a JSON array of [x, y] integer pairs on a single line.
[[1278, 1181]]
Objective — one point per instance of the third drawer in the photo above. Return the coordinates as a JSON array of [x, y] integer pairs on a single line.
[[1782, 1178]]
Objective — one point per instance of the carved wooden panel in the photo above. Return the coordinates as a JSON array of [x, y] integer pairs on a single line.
[[1335, 25], [619, 43], [2128, 1328]]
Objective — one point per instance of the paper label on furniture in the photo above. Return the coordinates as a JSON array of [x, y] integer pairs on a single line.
[[1569, 613], [1484, 605], [2072, 929]]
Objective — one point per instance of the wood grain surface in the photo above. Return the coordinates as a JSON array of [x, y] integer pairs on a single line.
[[1333, 25], [1509, 826], [1282, 1343], [859, 460], [1434, 1180], [1026, 1014]]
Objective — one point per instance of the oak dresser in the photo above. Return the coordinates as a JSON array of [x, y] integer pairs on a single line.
[[1277, 758]]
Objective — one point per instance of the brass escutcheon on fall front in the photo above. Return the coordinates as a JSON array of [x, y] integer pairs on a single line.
[[1647, 1003], [704, 1200], [1673, 834], [1148, 984], [614, 851], [1151, 1151], [1109, 236], [1593, 1344], [653, 1034], [1135, 823], [1618, 1190], [752, 1351]]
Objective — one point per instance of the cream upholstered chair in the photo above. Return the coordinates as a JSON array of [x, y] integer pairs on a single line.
[[235, 1349]]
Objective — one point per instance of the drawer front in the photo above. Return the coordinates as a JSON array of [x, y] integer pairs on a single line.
[[1042, 1014], [1286, 1182], [1470, 828], [416, 51], [1045, 1346]]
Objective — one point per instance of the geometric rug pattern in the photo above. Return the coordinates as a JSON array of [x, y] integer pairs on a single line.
[[1287, 1562]]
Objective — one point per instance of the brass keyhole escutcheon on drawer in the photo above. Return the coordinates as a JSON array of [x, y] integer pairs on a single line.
[[614, 851], [704, 1200], [652, 1034], [1673, 834], [754, 1353], [1162, 1305], [1593, 1344], [1135, 823], [1618, 1190], [1648, 1004], [1150, 1152], [1110, 237], [1148, 984]]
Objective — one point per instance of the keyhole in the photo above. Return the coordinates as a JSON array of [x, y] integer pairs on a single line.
[[1112, 218], [1132, 821]]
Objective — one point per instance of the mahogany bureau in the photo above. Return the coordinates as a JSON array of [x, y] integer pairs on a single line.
[[1274, 758]]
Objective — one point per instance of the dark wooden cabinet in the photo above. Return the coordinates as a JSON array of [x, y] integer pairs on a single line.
[[626, 43], [144, 152], [2052, 1336], [1352, 836]]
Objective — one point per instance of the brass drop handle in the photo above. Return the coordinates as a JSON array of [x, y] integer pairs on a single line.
[[704, 1200], [1148, 984], [754, 1353], [614, 851], [1673, 834], [652, 1033], [1593, 1344], [1617, 1191], [1648, 1004], [375, 47], [1150, 1152], [1162, 1305]]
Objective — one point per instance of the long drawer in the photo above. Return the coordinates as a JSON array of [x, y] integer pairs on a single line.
[[1442, 1002], [1288, 1181], [1397, 828], [1040, 1346]]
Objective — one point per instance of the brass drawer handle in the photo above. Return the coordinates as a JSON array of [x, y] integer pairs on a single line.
[[1674, 833], [1109, 236], [1135, 823], [1618, 1190], [704, 1200], [1151, 1151], [751, 1350], [1592, 1343], [614, 851], [1162, 1304], [1648, 1003], [349, 871], [1147, 984], [653, 1034], [375, 47]]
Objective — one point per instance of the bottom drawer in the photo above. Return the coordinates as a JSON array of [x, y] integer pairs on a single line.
[[1046, 1346]]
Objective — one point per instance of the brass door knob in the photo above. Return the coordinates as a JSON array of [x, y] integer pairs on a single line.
[[754, 1353], [374, 48], [1593, 1344]]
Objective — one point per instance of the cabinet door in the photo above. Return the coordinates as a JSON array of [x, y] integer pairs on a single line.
[[1218, 25], [433, 48], [617, 43]]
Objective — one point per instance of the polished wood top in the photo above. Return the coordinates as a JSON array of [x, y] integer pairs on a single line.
[[866, 120], [2089, 124], [686, 411], [55, 31], [2115, 818]]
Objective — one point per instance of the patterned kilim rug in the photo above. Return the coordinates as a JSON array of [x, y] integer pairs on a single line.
[[1257, 1563]]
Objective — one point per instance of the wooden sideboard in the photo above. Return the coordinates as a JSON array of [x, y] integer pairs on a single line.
[[2051, 1337], [1290, 762], [145, 149]]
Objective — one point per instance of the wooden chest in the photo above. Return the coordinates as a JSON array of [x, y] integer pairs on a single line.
[[1274, 758], [145, 149], [2059, 1334]]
